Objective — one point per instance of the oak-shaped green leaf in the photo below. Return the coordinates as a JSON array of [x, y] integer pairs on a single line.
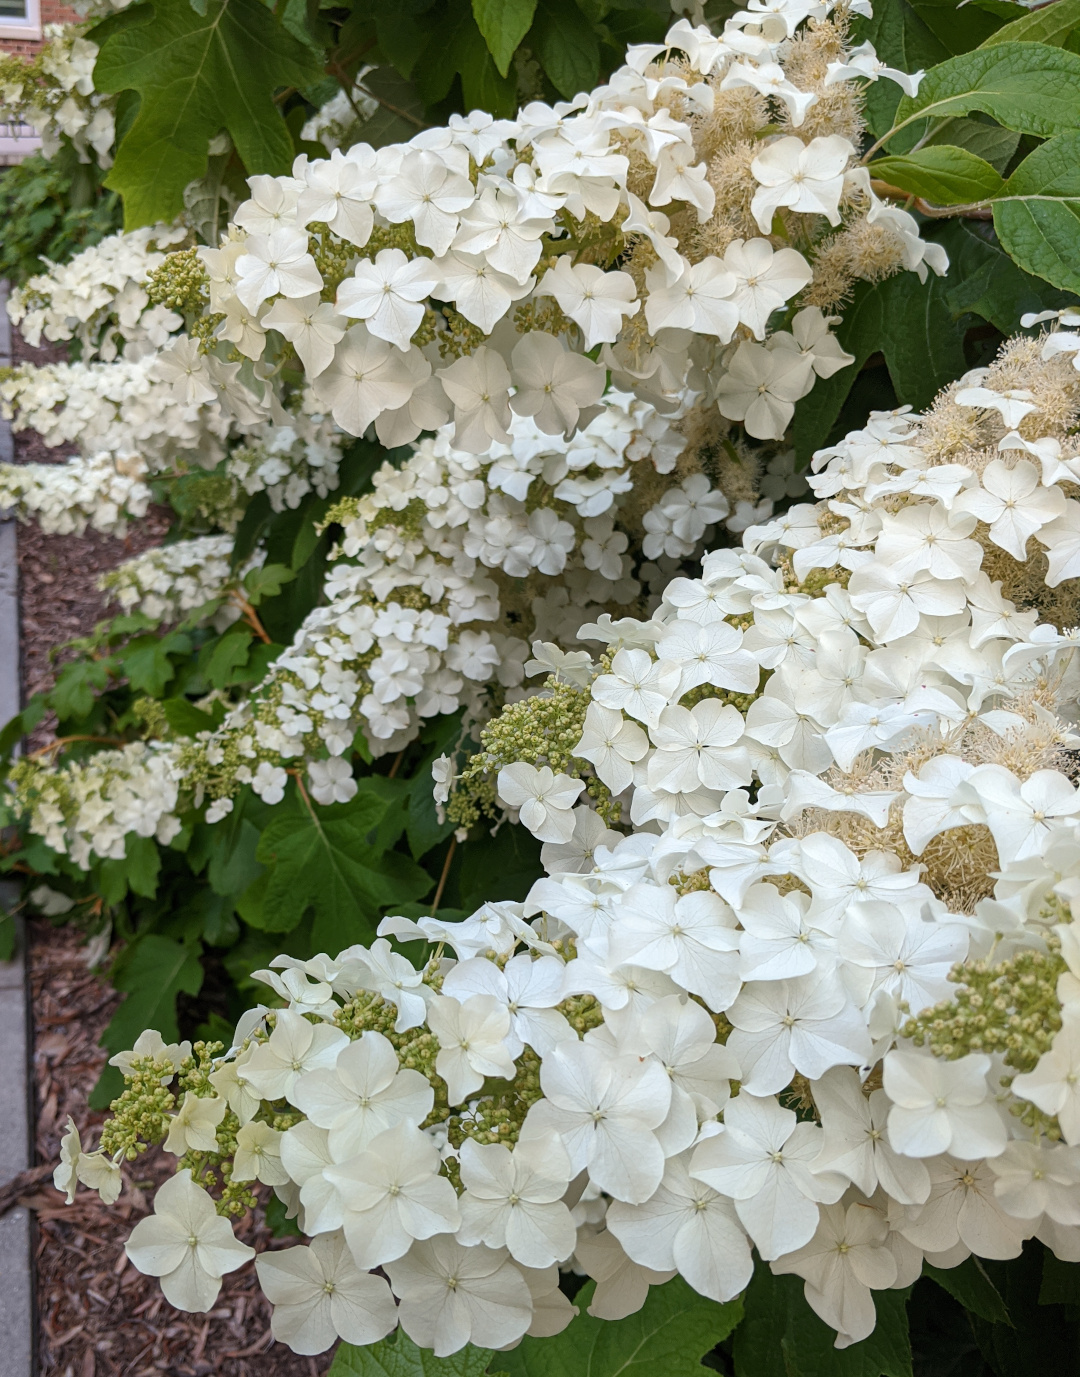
[[1029, 87], [945, 176], [1037, 216], [985, 281], [328, 859], [196, 75], [566, 45], [669, 1335], [504, 23], [398, 1356]]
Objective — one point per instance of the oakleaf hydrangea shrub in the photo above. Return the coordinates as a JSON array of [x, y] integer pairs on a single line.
[[680, 236], [812, 988]]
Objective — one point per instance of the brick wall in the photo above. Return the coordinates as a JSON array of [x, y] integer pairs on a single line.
[[52, 12]]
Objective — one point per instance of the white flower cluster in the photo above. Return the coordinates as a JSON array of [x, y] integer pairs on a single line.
[[122, 408], [170, 582], [54, 93], [448, 571], [131, 425], [99, 491], [87, 810], [99, 298], [853, 896], [473, 272]]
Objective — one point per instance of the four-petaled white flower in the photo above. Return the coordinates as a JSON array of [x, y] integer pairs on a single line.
[[186, 1244], [804, 177], [386, 293], [513, 1200], [605, 1109], [595, 300], [553, 384], [319, 1295], [544, 800], [762, 1161], [472, 1042], [365, 1093], [294, 1046], [392, 1193], [1012, 503], [450, 1296], [942, 1106]]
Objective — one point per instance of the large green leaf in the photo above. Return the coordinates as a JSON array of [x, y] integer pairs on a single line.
[[960, 27], [1029, 87], [137, 871], [1052, 24], [943, 175], [456, 47], [970, 1285], [1037, 215], [913, 325], [780, 1335], [73, 695], [667, 1337], [985, 281], [328, 859], [503, 23], [146, 661], [196, 74], [566, 46], [978, 135], [398, 1356], [150, 975]]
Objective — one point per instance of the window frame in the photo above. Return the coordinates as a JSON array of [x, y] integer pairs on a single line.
[[28, 28]]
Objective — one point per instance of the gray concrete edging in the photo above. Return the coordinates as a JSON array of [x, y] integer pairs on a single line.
[[17, 1327]]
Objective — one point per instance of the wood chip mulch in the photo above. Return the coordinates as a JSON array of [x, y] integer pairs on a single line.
[[98, 1316], [58, 594]]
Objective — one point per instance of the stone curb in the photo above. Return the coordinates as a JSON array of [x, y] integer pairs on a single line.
[[17, 1327]]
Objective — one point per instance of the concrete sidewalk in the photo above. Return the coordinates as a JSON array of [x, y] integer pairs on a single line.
[[16, 1234]]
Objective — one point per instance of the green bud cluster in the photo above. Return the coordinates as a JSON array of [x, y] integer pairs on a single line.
[[340, 513], [409, 521], [150, 714], [180, 283], [500, 1111], [1010, 1008], [333, 257], [539, 730], [543, 314], [741, 701], [694, 883], [583, 1012], [460, 337], [140, 1114]]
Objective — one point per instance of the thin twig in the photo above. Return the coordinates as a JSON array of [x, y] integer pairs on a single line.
[[396, 765], [972, 210], [445, 872], [249, 615], [64, 740]]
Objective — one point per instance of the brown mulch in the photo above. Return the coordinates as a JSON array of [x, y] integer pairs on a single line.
[[58, 594], [98, 1316]]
